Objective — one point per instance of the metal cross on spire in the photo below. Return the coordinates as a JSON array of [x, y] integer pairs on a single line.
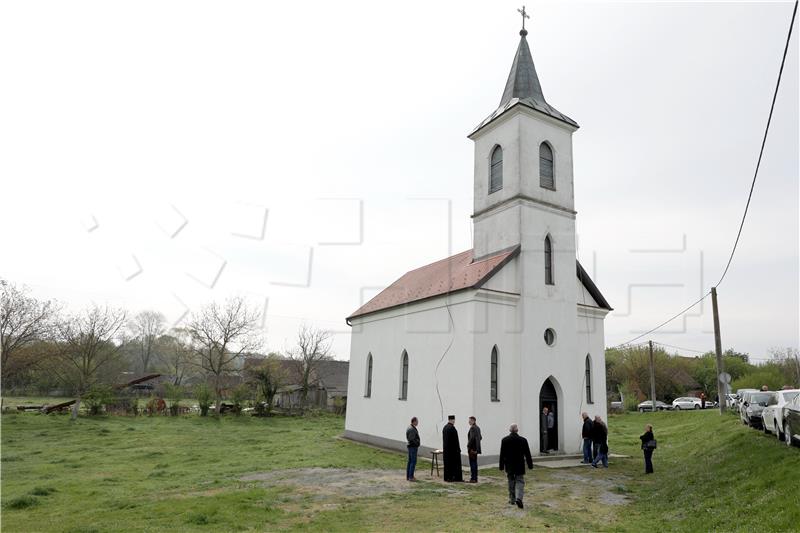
[[524, 16]]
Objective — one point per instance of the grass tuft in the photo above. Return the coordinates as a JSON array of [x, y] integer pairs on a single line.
[[22, 502], [43, 491]]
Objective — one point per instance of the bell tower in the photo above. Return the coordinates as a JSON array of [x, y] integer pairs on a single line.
[[523, 161]]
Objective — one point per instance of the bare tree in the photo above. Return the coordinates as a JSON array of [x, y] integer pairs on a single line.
[[87, 346], [221, 334], [313, 346], [24, 321], [146, 328], [174, 351], [789, 361]]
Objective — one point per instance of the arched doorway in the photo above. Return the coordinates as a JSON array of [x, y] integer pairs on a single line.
[[548, 398]]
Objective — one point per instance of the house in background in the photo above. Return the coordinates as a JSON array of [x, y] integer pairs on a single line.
[[327, 384]]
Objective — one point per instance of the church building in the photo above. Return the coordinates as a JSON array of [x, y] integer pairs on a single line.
[[503, 329]]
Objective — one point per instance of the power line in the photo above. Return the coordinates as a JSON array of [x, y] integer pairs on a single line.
[[752, 186], [679, 348], [665, 322], [763, 143]]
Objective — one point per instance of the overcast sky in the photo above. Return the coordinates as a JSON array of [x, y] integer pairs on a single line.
[[159, 155]]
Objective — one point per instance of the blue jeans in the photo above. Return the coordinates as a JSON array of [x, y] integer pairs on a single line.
[[473, 469], [516, 487], [601, 457], [587, 450], [412, 461]]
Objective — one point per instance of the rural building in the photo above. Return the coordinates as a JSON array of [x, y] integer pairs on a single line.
[[502, 329]]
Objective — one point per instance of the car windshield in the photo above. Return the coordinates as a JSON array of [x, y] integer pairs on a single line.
[[760, 397], [789, 396]]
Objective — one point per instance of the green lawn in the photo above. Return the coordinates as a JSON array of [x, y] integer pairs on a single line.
[[251, 474]]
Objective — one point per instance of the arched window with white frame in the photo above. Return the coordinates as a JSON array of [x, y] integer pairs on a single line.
[[547, 177], [548, 261], [404, 376], [368, 387], [493, 376], [589, 379], [496, 170]]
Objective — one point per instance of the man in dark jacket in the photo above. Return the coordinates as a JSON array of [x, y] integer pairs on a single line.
[[473, 449], [412, 437], [451, 449], [514, 453], [586, 433], [599, 438]]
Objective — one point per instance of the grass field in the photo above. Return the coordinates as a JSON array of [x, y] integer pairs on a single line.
[[250, 474]]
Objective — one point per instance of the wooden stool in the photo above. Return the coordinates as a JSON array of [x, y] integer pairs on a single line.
[[435, 461]]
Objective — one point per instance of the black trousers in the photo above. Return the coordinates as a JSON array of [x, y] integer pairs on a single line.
[[648, 461]]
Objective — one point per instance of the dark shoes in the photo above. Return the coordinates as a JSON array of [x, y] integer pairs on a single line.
[[473, 480], [519, 504]]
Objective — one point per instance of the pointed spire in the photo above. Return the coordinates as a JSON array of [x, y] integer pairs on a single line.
[[522, 80]]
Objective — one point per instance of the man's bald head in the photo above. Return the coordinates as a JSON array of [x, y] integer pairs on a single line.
[[514, 428]]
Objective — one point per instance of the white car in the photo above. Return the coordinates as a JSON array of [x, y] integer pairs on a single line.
[[772, 415], [686, 402]]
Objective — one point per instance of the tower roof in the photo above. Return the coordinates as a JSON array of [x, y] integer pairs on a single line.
[[523, 88]]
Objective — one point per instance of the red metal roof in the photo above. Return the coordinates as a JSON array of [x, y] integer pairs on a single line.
[[452, 274]]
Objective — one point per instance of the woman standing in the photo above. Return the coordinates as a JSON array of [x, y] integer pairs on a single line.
[[648, 445]]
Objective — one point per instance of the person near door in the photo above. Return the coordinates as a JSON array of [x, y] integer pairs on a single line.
[[548, 425]]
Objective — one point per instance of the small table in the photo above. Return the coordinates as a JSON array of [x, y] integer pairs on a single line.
[[435, 454]]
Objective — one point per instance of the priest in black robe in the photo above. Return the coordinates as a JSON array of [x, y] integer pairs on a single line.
[[451, 449]]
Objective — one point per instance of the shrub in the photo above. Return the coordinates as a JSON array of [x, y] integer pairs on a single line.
[[174, 394], [97, 397], [239, 396], [204, 396]]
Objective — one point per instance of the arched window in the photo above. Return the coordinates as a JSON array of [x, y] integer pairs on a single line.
[[588, 379], [548, 261], [368, 391], [546, 174], [493, 375], [496, 170], [404, 376]]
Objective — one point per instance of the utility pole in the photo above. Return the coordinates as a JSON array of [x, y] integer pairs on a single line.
[[721, 387], [652, 378]]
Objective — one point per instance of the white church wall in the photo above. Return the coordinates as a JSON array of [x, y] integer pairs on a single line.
[[503, 132], [496, 325], [383, 416]]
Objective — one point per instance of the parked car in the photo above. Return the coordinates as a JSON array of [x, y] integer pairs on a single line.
[[730, 401], [772, 415], [791, 421], [739, 397], [686, 402], [753, 404], [647, 405]]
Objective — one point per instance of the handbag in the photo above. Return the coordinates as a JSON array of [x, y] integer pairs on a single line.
[[651, 444]]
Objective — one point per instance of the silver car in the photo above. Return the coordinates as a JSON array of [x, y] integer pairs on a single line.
[[686, 402]]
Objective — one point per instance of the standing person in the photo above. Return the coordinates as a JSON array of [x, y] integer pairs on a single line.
[[547, 424], [648, 445], [598, 436], [451, 449], [702, 400], [600, 440], [473, 449], [586, 433], [514, 453], [412, 436]]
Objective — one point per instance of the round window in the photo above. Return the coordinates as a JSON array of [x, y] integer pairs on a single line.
[[549, 336]]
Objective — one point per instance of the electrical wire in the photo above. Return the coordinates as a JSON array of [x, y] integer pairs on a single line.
[[752, 185], [763, 144], [679, 348]]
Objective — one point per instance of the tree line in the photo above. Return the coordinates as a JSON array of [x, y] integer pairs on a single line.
[[628, 372], [44, 348]]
